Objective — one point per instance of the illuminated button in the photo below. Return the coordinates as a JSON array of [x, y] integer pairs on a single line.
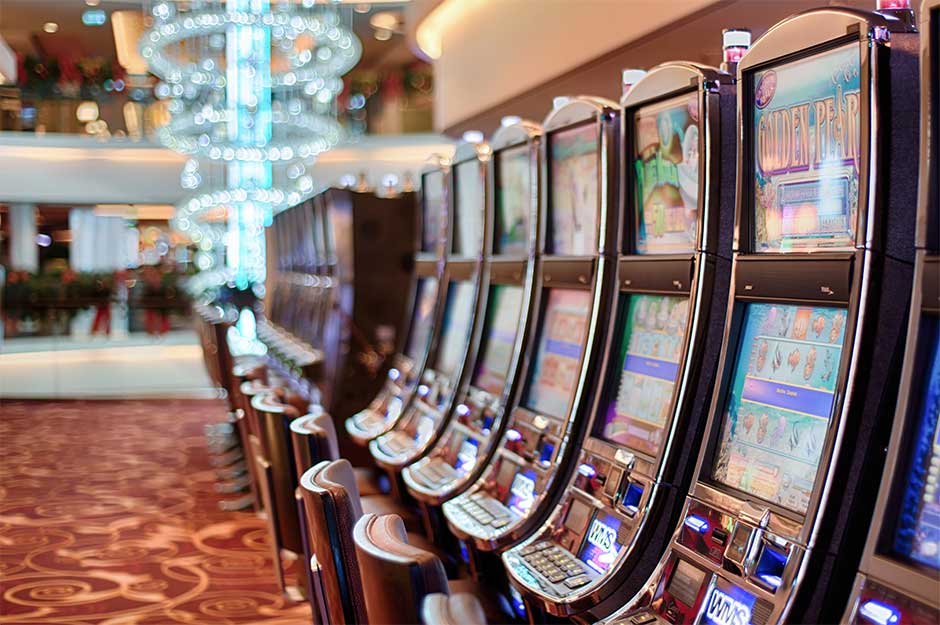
[[555, 576], [577, 581], [498, 523], [587, 470], [696, 523], [532, 548], [880, 613], [642, 619]]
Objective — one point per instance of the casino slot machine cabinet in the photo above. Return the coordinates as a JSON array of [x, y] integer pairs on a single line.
[[369, 243], [572, 285], [899, 577], [403, 376], [635, 465], [478, 412], [463, 282], [821, 279]]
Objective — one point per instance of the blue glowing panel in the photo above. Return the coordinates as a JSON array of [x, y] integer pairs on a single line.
[[600, 547], [728, 605], [917, 537]]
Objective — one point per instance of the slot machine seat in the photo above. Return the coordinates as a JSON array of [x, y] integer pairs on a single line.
[[457, 609], [315, 440], [396, 576], [331, 507]]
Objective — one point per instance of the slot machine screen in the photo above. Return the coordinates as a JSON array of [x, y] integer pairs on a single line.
[[433, 210], [807, 146], [650, 350], [685, 583], [513, 200], [777, 409], [574, 191], [600, 546], [458, 317], [561, 344], [470, 207], [666, 175], [425, 298], [499, 338], [917, 536]]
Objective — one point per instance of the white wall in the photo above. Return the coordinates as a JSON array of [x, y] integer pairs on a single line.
[[493, 50]]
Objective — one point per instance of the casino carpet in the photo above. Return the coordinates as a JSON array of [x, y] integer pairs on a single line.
[[108, 516]]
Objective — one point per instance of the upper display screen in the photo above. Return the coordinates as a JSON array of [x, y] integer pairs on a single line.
[[458, 317], [574, 191], [513, 200], [918, 528], [501, 325], [561, 344], [806, 148], [420, 335], [433, 193], [665, 175], [653, 339], [780, 402], [470, 207]]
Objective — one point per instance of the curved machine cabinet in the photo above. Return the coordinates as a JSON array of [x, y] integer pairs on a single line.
[[518, 488], [453, 344], [821, 280], [650, 408], [476, 422]]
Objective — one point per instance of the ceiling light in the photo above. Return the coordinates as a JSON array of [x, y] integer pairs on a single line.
[[50, 27], [92, 3], [362, 8], [383, 35], [473, 136]]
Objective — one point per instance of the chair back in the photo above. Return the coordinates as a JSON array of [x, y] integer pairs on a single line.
[[396, 576]]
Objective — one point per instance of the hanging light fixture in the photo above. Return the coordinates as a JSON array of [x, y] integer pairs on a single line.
[[251, 87]]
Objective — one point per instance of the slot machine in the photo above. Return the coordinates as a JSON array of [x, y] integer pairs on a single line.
[[634, 467], [821, 278], [479, 411], [403, 377], [572, 283], [369, 250], [898, 582], [452, 345]]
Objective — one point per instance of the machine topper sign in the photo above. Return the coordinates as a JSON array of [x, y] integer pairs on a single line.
[[807, 150]]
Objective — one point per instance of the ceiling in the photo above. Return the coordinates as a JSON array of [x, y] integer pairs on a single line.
[[21, 25]]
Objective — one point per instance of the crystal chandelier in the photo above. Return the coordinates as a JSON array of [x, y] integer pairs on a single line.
[[251, 87]]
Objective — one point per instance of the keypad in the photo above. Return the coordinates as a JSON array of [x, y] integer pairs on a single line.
[[486, 511], [555, 564], [439, 472]]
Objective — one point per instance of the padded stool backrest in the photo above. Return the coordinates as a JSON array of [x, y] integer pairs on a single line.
[[458, 609], [315, 440], [331, 509], [396, 576]]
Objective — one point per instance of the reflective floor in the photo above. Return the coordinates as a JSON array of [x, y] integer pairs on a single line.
[[135, 365]]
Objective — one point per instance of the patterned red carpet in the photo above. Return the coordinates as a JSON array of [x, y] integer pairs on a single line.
[[108, 516]]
